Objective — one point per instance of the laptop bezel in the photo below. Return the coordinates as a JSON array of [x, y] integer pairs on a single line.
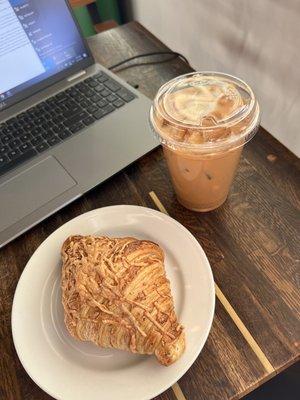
[[38, 87]]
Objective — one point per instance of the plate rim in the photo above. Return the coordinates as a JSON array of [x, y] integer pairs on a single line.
[[206, 329]]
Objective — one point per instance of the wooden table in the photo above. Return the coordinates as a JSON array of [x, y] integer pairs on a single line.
[[251, 243]]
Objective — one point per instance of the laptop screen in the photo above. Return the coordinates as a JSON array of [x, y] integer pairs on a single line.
[[38, 39]]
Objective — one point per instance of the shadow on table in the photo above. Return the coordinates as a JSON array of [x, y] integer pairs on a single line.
[[285, 386]]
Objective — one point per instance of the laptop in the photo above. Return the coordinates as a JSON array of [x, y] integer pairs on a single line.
[[66, 123]]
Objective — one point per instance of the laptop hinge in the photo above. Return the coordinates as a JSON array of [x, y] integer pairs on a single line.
[[78, 75]]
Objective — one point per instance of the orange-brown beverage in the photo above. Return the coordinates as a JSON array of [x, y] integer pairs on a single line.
[[203, 120]]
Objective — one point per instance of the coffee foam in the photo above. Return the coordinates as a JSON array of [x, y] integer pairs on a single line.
[[203, 102], [204, 113]]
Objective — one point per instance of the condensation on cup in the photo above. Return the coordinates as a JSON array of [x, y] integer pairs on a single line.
[[203, 120]]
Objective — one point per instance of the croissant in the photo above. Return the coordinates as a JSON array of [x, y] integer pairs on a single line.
[[115, 293]]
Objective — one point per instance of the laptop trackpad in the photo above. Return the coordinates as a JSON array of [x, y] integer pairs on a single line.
[[31, 189]]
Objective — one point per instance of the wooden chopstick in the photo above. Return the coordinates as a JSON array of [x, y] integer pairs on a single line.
[[230, 310]]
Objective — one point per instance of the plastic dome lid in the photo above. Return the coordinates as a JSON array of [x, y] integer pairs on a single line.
[[205, 111]]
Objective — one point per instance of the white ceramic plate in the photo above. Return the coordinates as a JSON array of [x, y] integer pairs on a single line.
[[71, 370]]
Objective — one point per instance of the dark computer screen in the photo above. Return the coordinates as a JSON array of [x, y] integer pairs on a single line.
[[38, 39]]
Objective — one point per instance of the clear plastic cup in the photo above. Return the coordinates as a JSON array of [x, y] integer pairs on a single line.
[[203, 120]]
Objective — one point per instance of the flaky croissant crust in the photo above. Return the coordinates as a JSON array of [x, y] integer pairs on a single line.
[[115, 293]]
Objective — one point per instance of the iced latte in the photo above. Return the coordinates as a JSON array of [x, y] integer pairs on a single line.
[[203, 120]]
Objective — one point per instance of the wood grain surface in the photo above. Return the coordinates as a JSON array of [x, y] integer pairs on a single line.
[[80, 3], [252, 243]]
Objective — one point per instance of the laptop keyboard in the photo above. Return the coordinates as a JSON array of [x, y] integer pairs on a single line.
[[58, 118]]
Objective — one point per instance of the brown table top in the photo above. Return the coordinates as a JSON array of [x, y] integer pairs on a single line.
[[251, 242]]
